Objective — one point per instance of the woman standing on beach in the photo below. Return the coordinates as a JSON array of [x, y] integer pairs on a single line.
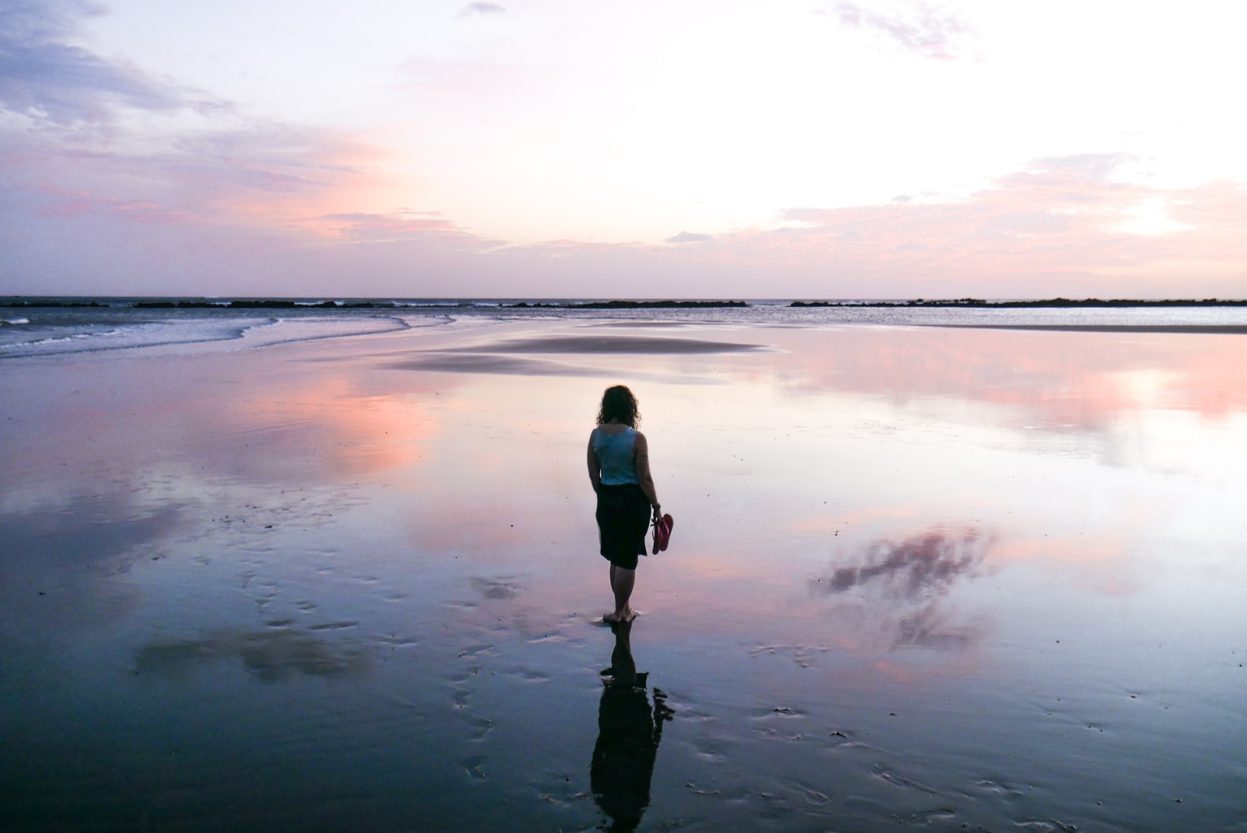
[[619, 471]]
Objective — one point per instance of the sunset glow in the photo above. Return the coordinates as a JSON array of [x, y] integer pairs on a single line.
[[794, 149]]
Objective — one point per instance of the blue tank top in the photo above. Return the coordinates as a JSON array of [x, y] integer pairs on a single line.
[[616, 455]]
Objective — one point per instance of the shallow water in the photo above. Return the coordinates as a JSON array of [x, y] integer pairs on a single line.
[[926, 578]]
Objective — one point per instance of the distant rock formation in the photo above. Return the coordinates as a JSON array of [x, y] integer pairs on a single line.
[[625, 304]]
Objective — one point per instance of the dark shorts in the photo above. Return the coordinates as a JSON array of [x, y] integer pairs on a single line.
[[623, 517]]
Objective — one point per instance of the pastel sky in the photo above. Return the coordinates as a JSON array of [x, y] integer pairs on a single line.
[[699, 148]]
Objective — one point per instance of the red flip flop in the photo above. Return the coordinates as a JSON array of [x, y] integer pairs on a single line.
[[662, 532]]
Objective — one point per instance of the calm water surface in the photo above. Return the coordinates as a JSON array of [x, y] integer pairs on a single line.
[[938, 579]]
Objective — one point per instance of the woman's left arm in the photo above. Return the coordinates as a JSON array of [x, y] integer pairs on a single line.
[[595, 470], [643, 477]]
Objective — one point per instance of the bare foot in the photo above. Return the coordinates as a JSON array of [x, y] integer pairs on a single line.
[[627, 616], [611, 618]]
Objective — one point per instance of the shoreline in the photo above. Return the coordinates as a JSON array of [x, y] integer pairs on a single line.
[[1194, 329]]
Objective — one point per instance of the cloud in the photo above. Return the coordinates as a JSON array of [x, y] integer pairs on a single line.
[[270, 157], [363, 225], [928, 32], [1064, 225], [482, 8], [916, 568], [46, 78], [297, 207], [266, 177], [690, 237]]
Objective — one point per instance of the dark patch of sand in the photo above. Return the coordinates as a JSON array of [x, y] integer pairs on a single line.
[[614, 344], [484, 358], [644, 324], [460, 363]]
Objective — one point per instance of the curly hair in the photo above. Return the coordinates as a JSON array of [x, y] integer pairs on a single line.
[[619, 405]]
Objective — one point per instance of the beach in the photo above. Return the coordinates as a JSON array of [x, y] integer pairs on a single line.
[[922, 577]]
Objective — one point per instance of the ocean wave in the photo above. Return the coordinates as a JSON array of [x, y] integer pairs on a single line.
[[297, 330], [199, 333]]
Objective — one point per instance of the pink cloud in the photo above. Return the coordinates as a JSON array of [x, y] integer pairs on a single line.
[[266, 177], [1057, 227], [364, 226], [69, 204]]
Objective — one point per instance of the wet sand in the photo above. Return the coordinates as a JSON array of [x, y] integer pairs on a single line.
[[929, 579]]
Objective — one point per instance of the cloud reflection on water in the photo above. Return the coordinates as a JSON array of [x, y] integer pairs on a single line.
[[1062, 381], [82, 529], [269, 655], [893, 594], [917, 566], [57, 557], [274, 423]]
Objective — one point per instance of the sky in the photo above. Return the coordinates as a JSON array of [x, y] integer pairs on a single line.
[[689, 149]]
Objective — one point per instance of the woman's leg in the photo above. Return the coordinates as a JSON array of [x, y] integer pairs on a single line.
[[622, 582], [610, 617]]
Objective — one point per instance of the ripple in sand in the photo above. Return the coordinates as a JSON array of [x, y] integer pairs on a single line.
[[334, 626], [474, 766], [941, 816], [481, 649], [549, 638], [812, 796], [499, 588], [1046, 826], [888, 775], [778, 712], [708, 791], [997, 787], [528, 675], [802, 655], [712, 749], [481, 727]]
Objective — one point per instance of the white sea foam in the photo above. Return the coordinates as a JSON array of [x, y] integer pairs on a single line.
[[181, 332], [290, 330]]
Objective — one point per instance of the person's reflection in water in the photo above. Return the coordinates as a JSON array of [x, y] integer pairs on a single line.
[[628, 734]]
